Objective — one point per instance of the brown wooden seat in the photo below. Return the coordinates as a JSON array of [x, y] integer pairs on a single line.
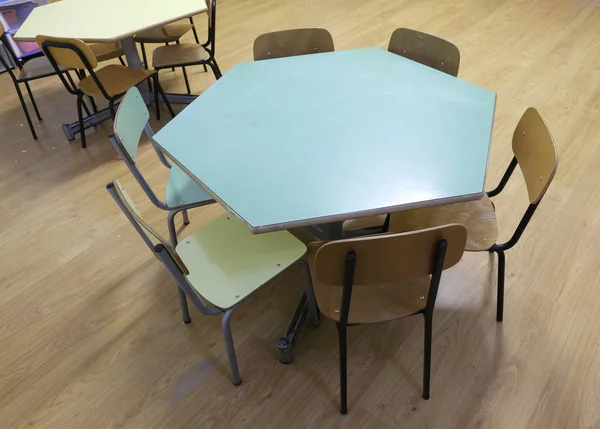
[[289, 43], [110, 82], [190, 54], [535, 152], [114, 79], [425, 49], [383, 277], [107, 51], [164, 34]]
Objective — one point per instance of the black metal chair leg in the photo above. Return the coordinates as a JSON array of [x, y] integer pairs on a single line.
[[427, 355], [500, 298], [214, 69], [164, 97], [80, 116], [37, 112], [156, 105], [185, 78], [121, 61], [343, 369], [93, 103], [217, 67], [144, 58], [24, 106], [194, 31], [205, 69], [111, 106], [167, 44]]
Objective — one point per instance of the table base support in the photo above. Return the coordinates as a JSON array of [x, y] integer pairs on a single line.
[[286, 343], [70, 129]]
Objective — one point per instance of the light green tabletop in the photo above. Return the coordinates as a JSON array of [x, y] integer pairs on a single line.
[[327, 137]]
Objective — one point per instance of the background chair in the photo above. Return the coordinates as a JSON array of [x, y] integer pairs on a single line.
[[182, 192], [426, 49], [535, 152], [288, 43], [35, 68], [382, 278], [222, 263], [110, 82], [191, 54]]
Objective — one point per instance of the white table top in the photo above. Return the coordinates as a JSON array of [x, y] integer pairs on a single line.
[[321, 138], [104, 20]]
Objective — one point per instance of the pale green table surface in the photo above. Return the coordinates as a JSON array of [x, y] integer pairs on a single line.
[[327, 137]]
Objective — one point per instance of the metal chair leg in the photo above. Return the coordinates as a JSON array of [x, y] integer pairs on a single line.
[[156, 105], [233, 365], [164, 97], [171, 225], [144, 58], [37, 113], [427, 355], [111, 106], [183, 305], [185, 78], [121, 61], [93, 103], [167, 44], [217, 67], [24, 106], [214, 69], [80, 116], [186, 219], [205, 69], [194, 31], [500, 298], [343, 369]]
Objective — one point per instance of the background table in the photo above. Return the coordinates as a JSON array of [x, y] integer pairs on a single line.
[[107, 21], [320, 138]]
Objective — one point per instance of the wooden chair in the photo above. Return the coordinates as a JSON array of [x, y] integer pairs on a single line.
[[111, 81], [181, 192], [33, 69], [381, 278], [289, 43], [426, 49], [219, 265], [535, 152], [191, 54]]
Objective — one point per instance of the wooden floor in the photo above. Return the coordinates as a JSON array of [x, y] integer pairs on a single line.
[[90, 333]]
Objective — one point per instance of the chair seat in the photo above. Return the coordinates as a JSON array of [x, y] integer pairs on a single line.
[[371, 303], [107, 51], [363, 223], [479, 217], [36, 68], [182, 190], [115, 79], [227, 262], [176, 55], [163, 34]]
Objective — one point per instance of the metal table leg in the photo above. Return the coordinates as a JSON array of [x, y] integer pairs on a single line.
[[286, 343]]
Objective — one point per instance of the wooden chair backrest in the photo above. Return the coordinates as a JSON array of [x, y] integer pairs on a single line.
[[130, 121], [289, 43], [67, 56], [150, 236], [536, 153], [387, 258], [426, 49]]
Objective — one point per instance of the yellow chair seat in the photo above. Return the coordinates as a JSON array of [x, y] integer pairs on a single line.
[[175, 55], [479, 217], [107, 51], [227, 262], [37, 67], [115, 79], [163, 34], [363, 223], [371, 303]]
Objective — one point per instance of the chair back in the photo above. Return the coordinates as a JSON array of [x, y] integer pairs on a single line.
[[130, 121], [6, 48], [536, 154], [289, 43], [425, 49], [388, 258], [67, 53], [148, 234]]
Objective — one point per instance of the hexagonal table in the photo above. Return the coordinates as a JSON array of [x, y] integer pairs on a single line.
[[321, 138]]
